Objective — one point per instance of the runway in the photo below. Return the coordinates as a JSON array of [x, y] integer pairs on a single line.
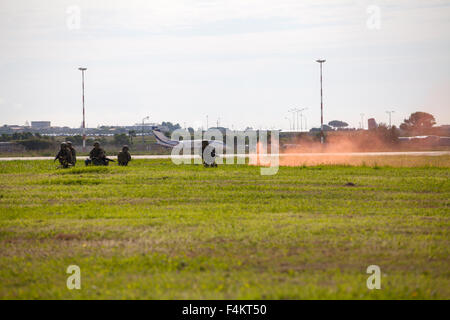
[[346, 154]]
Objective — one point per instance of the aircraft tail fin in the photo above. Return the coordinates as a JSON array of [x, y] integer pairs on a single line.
[[163, 140]]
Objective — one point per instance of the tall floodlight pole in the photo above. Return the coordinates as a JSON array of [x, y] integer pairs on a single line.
[[207, 124], [146, 118], [293, 118], [300, 123], [390, 116], [84, 114], [362, 121], [321, 101], [289, 122]]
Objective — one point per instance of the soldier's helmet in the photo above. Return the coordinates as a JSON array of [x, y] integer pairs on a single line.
[[125, 148], [69, 143], [63, 144], [96, 143]]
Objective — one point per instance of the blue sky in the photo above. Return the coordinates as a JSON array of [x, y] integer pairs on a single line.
[[244, 61]]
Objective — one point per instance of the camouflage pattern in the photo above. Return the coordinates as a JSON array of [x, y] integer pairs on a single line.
[[206, 164], [97, 156], [64, 156], [73, 152], [97, 153], [124, 156]]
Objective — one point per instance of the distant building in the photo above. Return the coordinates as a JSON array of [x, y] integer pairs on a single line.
[[16, 128], [147, 127], [40, 124], [372, 124]]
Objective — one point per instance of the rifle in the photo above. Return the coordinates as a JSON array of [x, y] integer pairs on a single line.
[[103, 159]]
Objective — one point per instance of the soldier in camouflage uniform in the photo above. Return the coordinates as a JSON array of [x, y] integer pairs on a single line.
[[73, 153], [124, 156], [64, 156], [209, 160], [97, 156]]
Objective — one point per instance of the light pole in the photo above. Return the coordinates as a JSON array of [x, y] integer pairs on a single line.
[[301, 116], [390, 116], [289, 122], [293, 118], [146, 118], [84, 116], [321, 62], [362, 120]]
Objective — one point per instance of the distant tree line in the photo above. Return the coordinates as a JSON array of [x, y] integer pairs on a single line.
[[417, 123], [16, 136], [171, 126], [29, 140]]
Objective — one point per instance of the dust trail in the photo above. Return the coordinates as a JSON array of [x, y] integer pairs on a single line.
[[348, 143]]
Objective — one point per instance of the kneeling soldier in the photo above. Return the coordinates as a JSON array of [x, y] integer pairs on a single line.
[[97, 156], [64, 156], [72, 152], [208, 155], [124, 156]]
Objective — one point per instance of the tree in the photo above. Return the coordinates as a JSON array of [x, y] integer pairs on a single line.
[[76, 140], [5, 137], [325, 128], [338, 124], [131, 134], [386, 134], [418, 121], [121, 139], [35, 144], [22, 135], [172, 127]]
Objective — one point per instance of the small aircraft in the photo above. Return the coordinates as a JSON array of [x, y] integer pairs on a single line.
[[161, 139]]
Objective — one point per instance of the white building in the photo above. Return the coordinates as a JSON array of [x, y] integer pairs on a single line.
[[40, 124]]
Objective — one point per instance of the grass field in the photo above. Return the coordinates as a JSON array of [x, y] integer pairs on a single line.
[[159, 231]]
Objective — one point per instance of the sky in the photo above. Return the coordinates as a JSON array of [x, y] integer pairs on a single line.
[[238, 62]]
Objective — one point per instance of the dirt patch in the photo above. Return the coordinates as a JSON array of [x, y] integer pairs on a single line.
[[349, 184], [67, 237]]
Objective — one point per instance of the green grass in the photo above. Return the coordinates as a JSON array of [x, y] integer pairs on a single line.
[[159, 231]]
